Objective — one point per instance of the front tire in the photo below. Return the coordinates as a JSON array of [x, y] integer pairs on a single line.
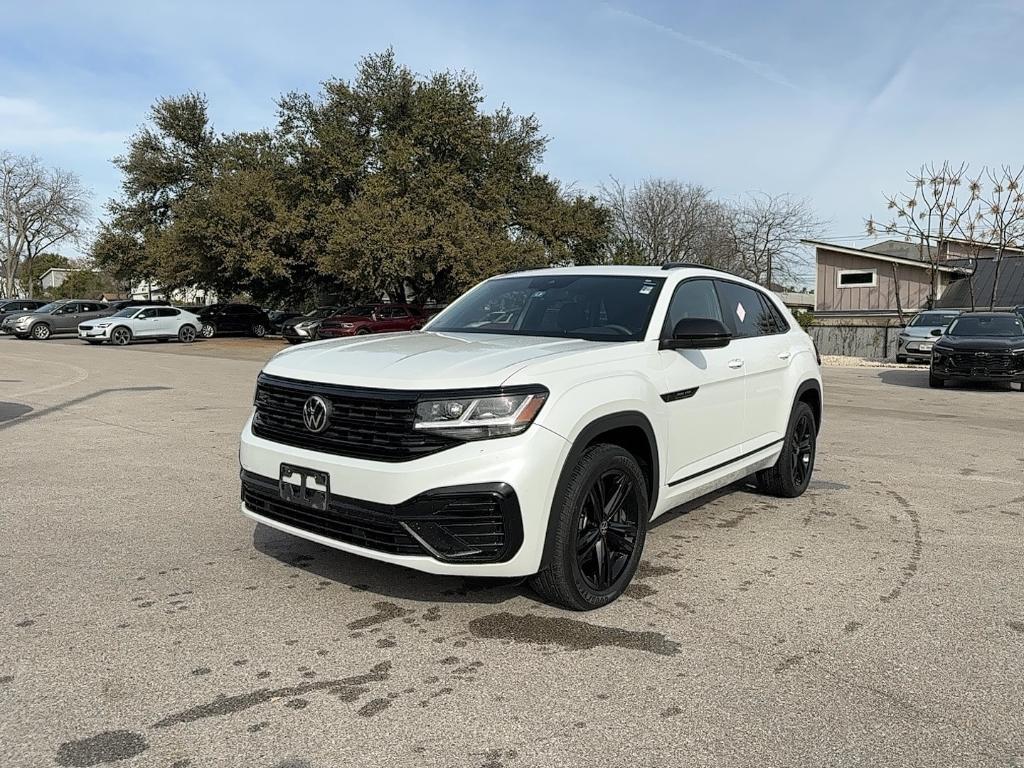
[[186, 334], [120, 336], [599, 533], [259, 330], [208, 330], [901, 359], [791, 474], [935, 382], [40, 332]]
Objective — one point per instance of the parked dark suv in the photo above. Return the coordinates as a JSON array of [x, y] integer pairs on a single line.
[[373, 318], [223, 319], [19, 306], [980, 346]]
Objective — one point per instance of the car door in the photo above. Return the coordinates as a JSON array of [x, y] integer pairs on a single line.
[[765, 351], [146, 323], [170, 319], [703, 390], [67, 317], [235, 319]]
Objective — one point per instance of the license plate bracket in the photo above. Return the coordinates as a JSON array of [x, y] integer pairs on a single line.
[[304, 486]]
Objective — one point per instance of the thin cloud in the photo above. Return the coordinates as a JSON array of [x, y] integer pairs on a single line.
[[758, 68], [26, 122]]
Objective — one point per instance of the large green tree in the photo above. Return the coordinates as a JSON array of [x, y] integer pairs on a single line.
[[391, 183]]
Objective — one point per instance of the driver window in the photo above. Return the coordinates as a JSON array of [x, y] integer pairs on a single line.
[[693, 298]]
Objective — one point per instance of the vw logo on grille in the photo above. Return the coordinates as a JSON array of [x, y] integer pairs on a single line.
[[316, 413]]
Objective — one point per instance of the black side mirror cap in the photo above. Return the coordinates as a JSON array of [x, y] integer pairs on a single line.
[[697, 333]]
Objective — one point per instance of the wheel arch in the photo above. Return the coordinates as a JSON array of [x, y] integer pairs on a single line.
[[632, 431], [809, 392]]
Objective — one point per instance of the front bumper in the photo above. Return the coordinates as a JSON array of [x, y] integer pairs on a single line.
[[94, 333], [381, 496], [302, 334], [911, 349]]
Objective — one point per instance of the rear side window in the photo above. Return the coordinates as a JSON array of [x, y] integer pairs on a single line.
[[777, 321], [693, 298], [168, 312], [747, 313]]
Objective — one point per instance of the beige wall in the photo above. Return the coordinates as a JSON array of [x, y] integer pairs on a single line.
[[882, 296]]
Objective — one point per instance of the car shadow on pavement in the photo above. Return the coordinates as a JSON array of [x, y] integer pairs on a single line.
[[29, 414], [362, 574], [919, 378]]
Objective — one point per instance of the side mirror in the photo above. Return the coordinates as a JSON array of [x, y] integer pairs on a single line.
[[937, 331], [697, 333]]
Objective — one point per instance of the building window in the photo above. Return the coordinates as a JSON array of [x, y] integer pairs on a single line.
[[858, 278]]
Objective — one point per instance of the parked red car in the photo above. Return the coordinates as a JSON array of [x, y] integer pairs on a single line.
[[372, 318]]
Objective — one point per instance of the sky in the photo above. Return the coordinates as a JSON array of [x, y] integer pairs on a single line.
[[832, 102]]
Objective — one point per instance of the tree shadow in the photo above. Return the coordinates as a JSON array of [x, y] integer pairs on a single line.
[[29, 415]]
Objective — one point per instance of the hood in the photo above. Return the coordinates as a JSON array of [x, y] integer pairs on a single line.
[[419, 359], [921, 331], [14, 317], [291, 322], [983, 343]]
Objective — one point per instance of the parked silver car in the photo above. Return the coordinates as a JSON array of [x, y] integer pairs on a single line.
[[61, 316], [916, 340]]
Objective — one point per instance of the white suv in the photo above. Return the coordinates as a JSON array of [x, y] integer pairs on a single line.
[[537, 425]]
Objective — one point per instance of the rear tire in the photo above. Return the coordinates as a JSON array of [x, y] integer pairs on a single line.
[[362, 332], [186, 334], [40, 332], [791, 474], [208, 330], [599, 532], [935, 382], [259, 330]]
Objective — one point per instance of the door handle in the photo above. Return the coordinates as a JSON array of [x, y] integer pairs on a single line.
[[785, 355], [737, 363]]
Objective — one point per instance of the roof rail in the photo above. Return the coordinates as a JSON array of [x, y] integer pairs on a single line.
[[695, 265]]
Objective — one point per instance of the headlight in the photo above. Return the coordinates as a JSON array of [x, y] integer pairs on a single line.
[[102, 325], [499, 414], [305, 324]]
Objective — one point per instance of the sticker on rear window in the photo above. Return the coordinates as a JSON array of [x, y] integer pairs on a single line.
[[741, 313], [646, 288]]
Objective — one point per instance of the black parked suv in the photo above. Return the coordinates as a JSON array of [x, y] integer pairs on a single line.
[[19, 306], [980, 346], [223, 319]]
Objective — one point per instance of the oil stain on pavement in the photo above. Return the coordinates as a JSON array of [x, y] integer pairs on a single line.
[[571, 634], [102, 748]]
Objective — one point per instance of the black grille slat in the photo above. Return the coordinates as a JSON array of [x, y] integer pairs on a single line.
[[370, 424]]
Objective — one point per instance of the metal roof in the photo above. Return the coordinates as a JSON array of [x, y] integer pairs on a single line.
[[1009, 294]]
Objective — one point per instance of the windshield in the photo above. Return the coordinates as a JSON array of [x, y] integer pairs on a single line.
[[933, 320], [595, 307], [126, 312], [49, 307], [999, 325]]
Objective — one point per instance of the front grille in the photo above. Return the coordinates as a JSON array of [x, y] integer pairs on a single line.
[[991, 361], [85, 327], [365, 423], [470, 524]]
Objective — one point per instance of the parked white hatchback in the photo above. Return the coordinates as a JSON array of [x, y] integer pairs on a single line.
[[131, 323]]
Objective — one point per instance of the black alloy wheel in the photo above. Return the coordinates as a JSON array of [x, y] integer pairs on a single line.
[[791, 473], [607, 532], [597, 531]]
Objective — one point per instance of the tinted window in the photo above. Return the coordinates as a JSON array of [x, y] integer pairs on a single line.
[[70, 309], [933, 319], [744, 312], [992, 325], [693, 298], [596, 307], [168, 312], [777, 320], [91, 307]]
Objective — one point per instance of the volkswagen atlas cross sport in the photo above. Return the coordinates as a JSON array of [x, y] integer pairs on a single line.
[[537, 425]]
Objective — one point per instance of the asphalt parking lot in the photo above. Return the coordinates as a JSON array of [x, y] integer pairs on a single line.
[[876, 621]]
